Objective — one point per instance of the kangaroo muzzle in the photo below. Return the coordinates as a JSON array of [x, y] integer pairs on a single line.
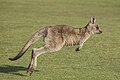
[[100, 32]]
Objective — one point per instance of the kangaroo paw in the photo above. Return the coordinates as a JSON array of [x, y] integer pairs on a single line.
[[30, 70], [77, 49]]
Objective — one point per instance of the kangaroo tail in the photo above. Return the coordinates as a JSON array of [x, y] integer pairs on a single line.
[[31, 41]]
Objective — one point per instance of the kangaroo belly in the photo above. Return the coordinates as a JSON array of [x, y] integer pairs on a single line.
[[72, 40]]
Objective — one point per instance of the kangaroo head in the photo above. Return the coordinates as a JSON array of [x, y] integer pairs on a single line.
[[93, 27]]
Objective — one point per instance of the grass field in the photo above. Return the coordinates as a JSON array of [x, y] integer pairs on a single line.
[[99, 59]]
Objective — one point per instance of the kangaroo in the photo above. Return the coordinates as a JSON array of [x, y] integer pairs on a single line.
[[55, 37]]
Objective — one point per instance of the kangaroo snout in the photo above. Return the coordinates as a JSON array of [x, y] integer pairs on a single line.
[[100, 32]]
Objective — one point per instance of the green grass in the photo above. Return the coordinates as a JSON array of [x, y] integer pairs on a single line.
[[98, 60]]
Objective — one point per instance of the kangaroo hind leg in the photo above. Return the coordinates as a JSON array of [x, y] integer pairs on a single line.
[[48, 47], [35, 53]]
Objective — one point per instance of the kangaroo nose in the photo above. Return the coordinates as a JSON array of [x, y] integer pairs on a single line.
[[100, 31]]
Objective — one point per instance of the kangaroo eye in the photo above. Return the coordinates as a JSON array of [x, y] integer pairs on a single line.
[[97, 27]]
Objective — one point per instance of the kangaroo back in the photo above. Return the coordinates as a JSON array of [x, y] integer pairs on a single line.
[[31, 41]]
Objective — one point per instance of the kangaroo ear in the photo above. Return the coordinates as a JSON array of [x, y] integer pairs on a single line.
[[93, 20]]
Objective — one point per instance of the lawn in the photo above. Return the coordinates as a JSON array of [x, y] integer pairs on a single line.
[[99, 58]]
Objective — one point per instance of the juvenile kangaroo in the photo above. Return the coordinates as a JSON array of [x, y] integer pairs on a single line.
[[55, 37]]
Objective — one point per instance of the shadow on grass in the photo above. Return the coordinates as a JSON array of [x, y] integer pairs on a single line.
[[12, 69]]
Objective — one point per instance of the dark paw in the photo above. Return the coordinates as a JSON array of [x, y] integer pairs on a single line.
[[77, 49]]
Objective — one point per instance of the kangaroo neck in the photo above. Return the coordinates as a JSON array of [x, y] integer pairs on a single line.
[[84, 31]]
